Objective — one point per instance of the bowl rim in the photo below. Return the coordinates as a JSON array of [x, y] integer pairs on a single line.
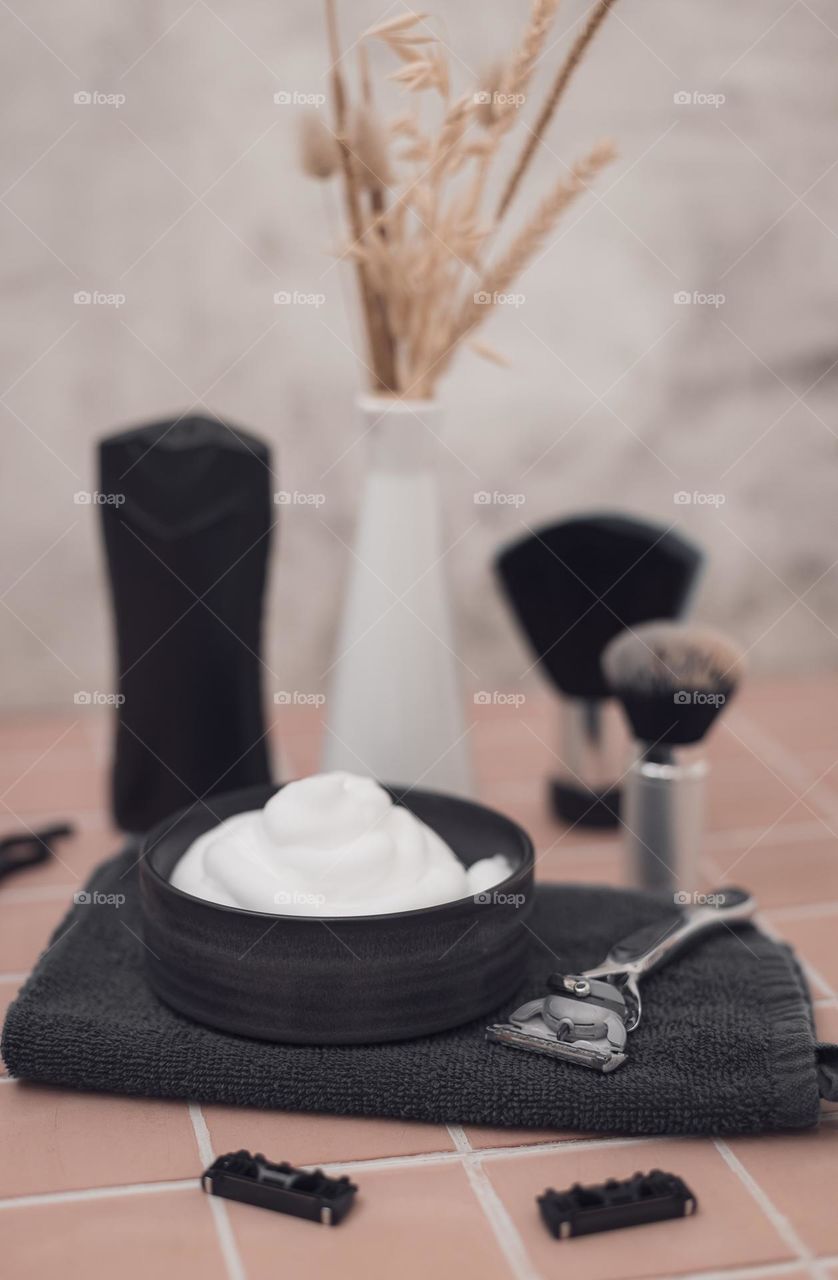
[[161, 829]]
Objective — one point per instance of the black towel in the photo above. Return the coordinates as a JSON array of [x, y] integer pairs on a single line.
[[725, 1044]]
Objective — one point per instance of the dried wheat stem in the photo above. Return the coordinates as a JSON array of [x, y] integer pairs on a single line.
[[523, 248], [520, 72], [505, 85], [595, 19], [380, 341]]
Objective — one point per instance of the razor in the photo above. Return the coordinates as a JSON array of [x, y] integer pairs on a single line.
[[586, 1017]]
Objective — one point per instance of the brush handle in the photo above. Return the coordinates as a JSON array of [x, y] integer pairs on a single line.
[[663, 811], [589, 743]]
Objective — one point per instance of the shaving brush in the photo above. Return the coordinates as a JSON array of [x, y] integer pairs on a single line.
[[573, 586], [673, 682]]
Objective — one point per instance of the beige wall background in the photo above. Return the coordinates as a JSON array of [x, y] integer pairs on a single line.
[[186, 199]]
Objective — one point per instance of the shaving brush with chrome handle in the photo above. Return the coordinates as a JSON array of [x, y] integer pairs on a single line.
[[673, 681]]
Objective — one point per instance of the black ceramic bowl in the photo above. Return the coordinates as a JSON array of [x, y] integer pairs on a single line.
[[344, 979]]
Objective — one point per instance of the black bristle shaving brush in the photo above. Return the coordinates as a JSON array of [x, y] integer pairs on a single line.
[[673, 681], [574, 586]]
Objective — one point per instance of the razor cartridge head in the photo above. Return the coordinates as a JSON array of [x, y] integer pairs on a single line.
[[583, 1054], [575, 1028]]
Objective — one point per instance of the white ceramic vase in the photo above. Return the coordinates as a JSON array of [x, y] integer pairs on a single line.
[[394, 709]]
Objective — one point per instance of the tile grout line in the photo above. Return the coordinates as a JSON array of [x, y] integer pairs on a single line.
[[221, 1218], [813, 973], [493, 1153], [723, 840], [356, 1166], [41, 893], [803, 910], [786, 768], [505, 1232], [756, 1271], [779, 1221], [97, 1193], [765, 744]]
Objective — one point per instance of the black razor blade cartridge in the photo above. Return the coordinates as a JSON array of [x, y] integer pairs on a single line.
[[606, 1206], [300, 1192]]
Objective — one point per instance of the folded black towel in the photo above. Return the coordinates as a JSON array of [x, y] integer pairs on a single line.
[[725, 1044]]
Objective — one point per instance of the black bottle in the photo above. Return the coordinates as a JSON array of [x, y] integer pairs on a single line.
[[187, 531]]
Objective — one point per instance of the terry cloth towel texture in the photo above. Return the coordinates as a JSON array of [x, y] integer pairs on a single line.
[[725, 1044]]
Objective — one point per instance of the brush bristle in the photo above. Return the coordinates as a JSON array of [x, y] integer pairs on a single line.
[[667, 657], [672, 679]]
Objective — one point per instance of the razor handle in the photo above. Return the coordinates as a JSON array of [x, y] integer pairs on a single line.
[[654, 945]]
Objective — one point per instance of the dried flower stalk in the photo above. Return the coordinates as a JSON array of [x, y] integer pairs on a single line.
[[319, 151], [595, 20], [500, 277], [414, 192]]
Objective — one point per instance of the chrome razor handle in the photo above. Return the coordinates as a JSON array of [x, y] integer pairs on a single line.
[[653, 945]]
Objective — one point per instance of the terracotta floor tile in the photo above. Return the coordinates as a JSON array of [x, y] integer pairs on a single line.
[[54, 1140], [8, 991], [783, 873], [165, 1234], [25, 930], [63, 790], [797, 1173], [813, 936], [729, 1230], [749, 794], [407, 1223], [826, 1025], [726, 742], [42, 731], [801, 716], [319, 1139]]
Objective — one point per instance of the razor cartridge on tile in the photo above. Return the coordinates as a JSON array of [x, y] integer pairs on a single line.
[[586, 1017], [606, 1206], [281, 1187]]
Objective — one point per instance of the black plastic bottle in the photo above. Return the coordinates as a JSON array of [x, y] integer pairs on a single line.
[[187, 531]]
